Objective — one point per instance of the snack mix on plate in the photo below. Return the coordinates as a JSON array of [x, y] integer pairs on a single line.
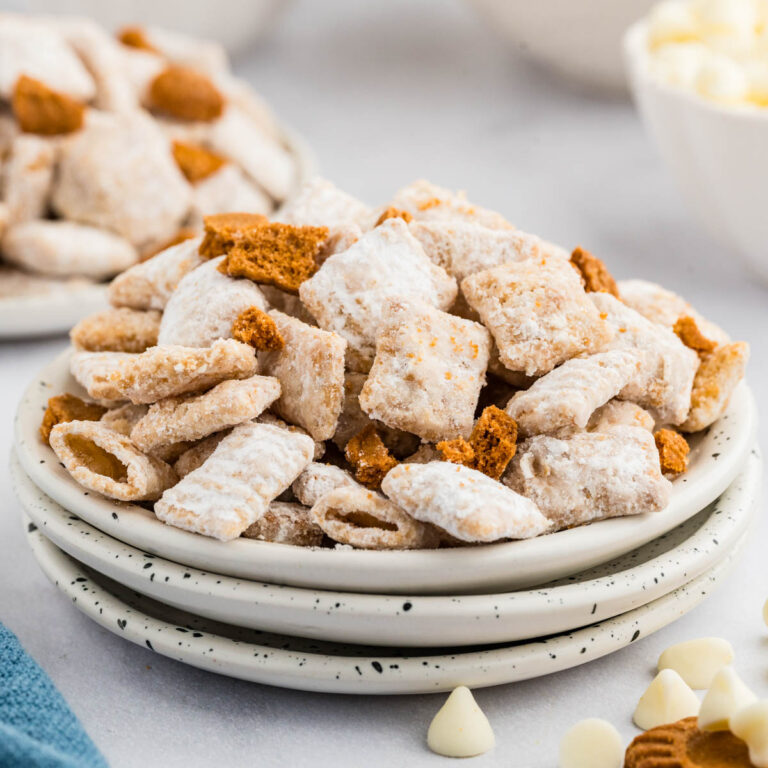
[[713, 48], [112, 148], [413, 376]]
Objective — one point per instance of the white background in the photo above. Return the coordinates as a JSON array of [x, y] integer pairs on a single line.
[[386, 93]]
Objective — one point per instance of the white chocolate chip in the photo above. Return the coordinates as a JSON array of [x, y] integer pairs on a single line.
[[460, 729], [591, 743], [666, 700], [751, 725], [727, 695], [697, 661]]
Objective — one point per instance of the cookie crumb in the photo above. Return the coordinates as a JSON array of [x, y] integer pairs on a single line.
[[457, 451], [673, 451], [186, 94], [196, 162], [136, 37], [41, 110], [594, 273], [276, 254], [393, 213], [369, 457], [223, 230], [688, 332], [257, 328], [68, 407]]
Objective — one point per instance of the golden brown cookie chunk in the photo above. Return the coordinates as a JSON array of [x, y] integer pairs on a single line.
[[688, 331], [67, 407], [223, 230], [185, 233], [393, 213], [135, 37], [673, 451], [38, 109], [458, 451], [196, 162], [683, 745], [277, 254], [369, 457], [185, 94], [596, 277], [257, 328]]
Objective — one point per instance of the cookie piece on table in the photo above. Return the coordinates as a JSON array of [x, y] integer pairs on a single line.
[[310, 368], [204, 306], [566, 397], [66, 407], [27, 178], [364, 519], [538, 313], [347, 294], [117, 330], [590, 476], [233, 488], [428, 371], [319, 479], [149, 285], [620, 413], [161, 371], [286, 523], [107, 462], [192, 417], [664, 380], [463, 502]]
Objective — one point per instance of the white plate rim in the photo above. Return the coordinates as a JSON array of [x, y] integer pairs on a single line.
[[396, 619]]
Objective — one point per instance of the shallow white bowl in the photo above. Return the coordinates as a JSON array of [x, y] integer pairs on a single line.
[[717, 155], [635, 579], [311, 665], [717, 456], [578, 39]]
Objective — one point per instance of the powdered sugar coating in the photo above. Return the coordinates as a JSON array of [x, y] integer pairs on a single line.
[[310, 368], [117, 330], [193, 417], [664, 380], [319, 479], [161, 371], [428, 371], [346, 295], [589, 476], [198, 454], [62, 248], [275, 421], [620, 413], [232, 489], [464, 502], [204, 306], [27, 177], [566, 397], [286, 523], [141, 477], [364, 519], [149, 285], [124, 418], [538, 313]]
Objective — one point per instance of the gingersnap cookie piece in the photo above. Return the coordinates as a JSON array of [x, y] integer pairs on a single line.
[[590, 475], [28, 171], [195, 161], [594, 273], [224, 230], [369, 457], [391, 212], [186, 94], [716, 378], [286, 523], [683, 745], [40, 109], [277, 254], [149, 285], [538, 313], [568, 396], [107, 462], [665, 377], [135, 37], [68, 407], [617, 413], [458, 451], [464, 502], [255, 327], [117, 330], [673, 451], [366, 520], [318, 479], [688, 331]]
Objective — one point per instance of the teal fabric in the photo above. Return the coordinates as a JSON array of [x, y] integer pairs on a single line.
[[37, 728]]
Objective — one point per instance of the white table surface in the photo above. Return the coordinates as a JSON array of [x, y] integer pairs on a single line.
[[385, 94]]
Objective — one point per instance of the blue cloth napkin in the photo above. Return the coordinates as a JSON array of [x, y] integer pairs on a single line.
[[37, 728]]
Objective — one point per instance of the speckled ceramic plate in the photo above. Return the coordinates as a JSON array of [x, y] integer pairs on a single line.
[[318, 666], [717, 456], [616, 587]]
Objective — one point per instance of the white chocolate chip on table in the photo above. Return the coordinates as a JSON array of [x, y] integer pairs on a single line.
[[591, 743], [666, 700], [726, 695], [697, 661], [460, 729], [751, 725]]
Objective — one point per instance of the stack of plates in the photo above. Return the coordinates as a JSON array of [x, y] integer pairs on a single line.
[[354, 621]]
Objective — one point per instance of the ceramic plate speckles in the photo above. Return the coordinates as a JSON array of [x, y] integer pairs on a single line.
[[634, 579], [317, 666], [716, 458]]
